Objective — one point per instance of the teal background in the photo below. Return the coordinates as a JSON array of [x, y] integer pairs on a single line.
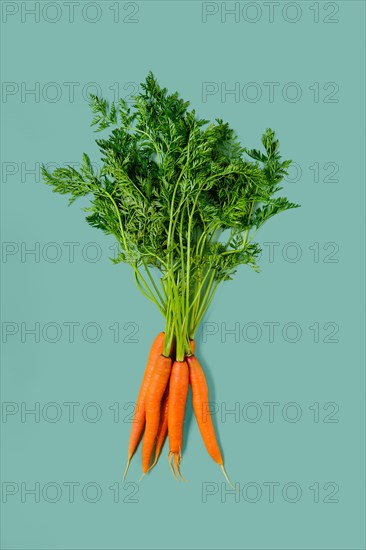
[[183, 52]]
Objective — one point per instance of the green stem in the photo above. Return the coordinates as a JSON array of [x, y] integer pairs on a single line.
[[205, 308], [154, 285], [147, 292], [119, 218], [169, 332], [198, 316]]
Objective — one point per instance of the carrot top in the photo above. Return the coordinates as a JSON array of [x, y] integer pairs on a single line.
[[181, 195]]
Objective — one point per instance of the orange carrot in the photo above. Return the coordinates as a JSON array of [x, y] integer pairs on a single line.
[[178, 390], [154, 394], [200, 404], [139, 416], [163, 427]]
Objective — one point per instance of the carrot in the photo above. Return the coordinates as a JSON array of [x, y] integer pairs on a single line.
[[154, 394], [193, 345], [163, 427], [139, 416], [178, 390], [200, 401]]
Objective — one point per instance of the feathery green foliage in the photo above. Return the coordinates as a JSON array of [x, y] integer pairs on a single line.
[[179, 194]]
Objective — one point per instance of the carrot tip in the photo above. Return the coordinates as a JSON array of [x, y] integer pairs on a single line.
[[174, 465], [170, 456], [177, 459], [153, 464], [226, 476], [126, 469], [143, 475]]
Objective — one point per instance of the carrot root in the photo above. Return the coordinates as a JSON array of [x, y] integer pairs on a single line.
[[226, 476], [140, 410], [174, 463], [154, 395], [177, 460], [170, 456], [126, 469], [199, 400], [163, 428], [152, 465]]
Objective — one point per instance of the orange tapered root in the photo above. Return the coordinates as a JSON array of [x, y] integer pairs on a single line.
[[174, 463], [202, 413], [226, 476], [177, 461], [154, 395], [178, 391], [139, 416], [200, 405], [163, 428], [170, 456], [126, 469]]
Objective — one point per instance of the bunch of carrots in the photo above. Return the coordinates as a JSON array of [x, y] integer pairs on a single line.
[[184, 200], [160, 408]]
